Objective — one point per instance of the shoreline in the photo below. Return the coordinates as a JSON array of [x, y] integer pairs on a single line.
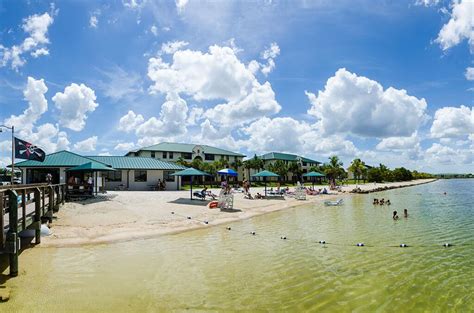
[[125, 216]]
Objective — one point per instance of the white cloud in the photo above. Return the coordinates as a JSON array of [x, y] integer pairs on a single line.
[[330, 145], [278, 134], [427, 3], [93, 21], [439, 154], [125, 146], [459, 27], [181, 5], [86, 145], [469, 73], [171, 122], [49, 138], [120, 84], [355, 104], [74, 104], [195, 114], [130, 121], [453, 122], [399, 143], [270, 54], [216, 75], [154, 30], [171, 47], [37, 106], [36, 26]]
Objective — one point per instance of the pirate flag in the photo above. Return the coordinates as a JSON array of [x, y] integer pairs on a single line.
[[28, 151]]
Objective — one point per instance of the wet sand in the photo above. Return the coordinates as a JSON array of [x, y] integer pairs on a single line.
[[127, 215]]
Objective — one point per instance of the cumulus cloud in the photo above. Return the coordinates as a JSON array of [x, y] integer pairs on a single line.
[[360, 106], [74, 104], [125, 146], [399, 143], [440, 154], [453, 122], [277, 134], [130, 121], [171, 122], [427, 3], [216, 75], [171, 47], [460, 26], [36, 26], [469, 73], [93, 21], [330, 145], [49, 138], [86, 145], [37, 105]]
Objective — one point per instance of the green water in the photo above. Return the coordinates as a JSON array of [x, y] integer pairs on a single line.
[[219, 270]]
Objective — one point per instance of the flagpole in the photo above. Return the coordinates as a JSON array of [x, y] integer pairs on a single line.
[[13, 154]]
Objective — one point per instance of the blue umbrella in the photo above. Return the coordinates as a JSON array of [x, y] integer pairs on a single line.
[[227, 172]]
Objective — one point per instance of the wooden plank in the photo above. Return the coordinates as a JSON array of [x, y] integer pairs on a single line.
[[37, 218], [12, 235]]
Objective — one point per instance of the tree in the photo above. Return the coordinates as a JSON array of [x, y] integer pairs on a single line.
[[295, 168], [358, 168], [248, 165], [374, 175], [402, 174], [333, 169], [278, 167], [183, 162], [385, 172]]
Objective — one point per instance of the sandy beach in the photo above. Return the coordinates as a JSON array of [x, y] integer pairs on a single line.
[[127, 215]]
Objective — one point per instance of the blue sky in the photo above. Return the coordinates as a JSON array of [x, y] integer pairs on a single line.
[[386, 81]]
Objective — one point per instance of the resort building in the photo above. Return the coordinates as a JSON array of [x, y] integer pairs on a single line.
[[172, 152], [125, 173], [305, 163]]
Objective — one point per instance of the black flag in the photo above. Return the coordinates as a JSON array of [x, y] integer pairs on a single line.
[[27, 151]]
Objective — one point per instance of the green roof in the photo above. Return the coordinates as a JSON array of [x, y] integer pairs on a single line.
[[91, 167], [186, 148], [191, 172], [265, 174], [285, 157], [313, 174], [142, 163], [59, 159]]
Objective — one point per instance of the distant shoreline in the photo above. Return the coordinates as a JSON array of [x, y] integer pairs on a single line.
[[384, 188]]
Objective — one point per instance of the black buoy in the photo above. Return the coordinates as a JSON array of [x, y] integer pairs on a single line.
[[228, 228], [322, 242], [253, 233], [403, 245], [447, 245], [360, 244]]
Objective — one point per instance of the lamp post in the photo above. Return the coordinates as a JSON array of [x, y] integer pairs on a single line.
[[13, 148]]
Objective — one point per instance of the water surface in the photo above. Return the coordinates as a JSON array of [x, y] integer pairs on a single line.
[[216, 269]]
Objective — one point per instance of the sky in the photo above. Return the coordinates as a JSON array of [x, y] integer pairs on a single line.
[[389, 82]]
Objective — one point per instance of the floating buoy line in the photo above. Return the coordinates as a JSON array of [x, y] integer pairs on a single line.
[[324, 242]]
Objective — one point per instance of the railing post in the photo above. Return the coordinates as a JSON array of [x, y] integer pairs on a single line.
[[37, 216], [43, 192], [12, 235], [51, 203], [23, 209], [63, 192], [2, 220]]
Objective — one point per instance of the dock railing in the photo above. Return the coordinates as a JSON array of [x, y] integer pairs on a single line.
[[26, 207]]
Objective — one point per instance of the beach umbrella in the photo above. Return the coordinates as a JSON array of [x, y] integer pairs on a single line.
[[313, 175], [265, 174], [191, 172], [92, 167], [227, 172]]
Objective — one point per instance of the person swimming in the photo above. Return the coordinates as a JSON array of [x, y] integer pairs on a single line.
[[388, 202], [405, 213], [395, 215], [376, 201]]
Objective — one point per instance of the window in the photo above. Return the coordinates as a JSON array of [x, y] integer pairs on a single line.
[[209, 157], [170, 155], [113, 176], [153, 154], [304, 163], [167, 176], [140, 176], [187, 156], [227, 157], [164, 155]]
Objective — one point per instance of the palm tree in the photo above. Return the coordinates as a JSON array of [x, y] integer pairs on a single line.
[[357, 167], [295, 168], [183, 162], [279, 167], [248, 165], [333, 169]]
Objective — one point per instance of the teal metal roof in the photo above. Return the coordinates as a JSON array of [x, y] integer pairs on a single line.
[[186, 148], [191, 172], [285, 157], [313, 174], [92, 166], [265, 174], [59, 159], [123, 162]]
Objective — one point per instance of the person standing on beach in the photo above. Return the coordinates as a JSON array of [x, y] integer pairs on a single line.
[[405, 213]]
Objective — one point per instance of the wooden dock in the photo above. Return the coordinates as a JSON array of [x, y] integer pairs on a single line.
[[25, 207]]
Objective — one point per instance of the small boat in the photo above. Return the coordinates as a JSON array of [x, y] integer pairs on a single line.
[[334, 203]]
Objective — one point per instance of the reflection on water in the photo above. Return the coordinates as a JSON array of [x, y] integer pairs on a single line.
[[216, 269]]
